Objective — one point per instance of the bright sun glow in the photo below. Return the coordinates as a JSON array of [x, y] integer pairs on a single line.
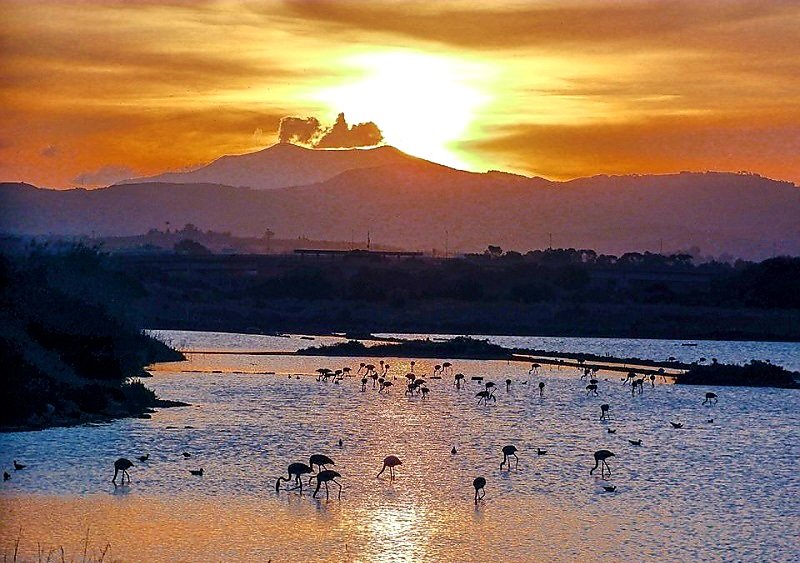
[[422, 103]]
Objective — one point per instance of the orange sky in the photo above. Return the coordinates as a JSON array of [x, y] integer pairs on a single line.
[[94, 91]]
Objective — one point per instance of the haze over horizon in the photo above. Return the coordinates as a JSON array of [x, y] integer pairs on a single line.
[[96, 92]]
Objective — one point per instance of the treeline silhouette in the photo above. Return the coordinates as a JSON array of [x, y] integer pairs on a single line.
[[68, 343], [576, 276]]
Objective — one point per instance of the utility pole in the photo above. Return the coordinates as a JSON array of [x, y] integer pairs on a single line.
[[446, 243], [661, 246], [550, 236]]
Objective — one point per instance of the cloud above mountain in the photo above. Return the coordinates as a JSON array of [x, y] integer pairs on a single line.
[[310, 132]]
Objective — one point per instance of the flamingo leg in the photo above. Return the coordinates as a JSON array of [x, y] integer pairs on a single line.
[[114, 479], [340, 488], [517, 465]]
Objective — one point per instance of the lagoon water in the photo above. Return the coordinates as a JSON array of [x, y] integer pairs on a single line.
[[721, 490]]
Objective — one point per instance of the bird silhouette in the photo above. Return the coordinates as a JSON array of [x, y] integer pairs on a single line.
[[612, 430], [144, 457], [540, 451], [604, 412], [635, 442], [295, 470], [187, 455], [541, 388], [341, 443], [322, 461], [677, 424], [600, 457], [6, 476], [484, 397], [508, 451], [591, 389], [710, 397], [480, 485], [453, 451], [508, 385], [610, 488], [121, 465], [197, 472], [18, 466], [326, 476], [391, 462]]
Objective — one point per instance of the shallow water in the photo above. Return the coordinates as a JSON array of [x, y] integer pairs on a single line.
[[726, 490], [786, 354]]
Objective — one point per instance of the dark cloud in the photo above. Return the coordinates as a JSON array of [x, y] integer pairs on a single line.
[[340, 135], [298, 130], [594, 23], [309, 131]]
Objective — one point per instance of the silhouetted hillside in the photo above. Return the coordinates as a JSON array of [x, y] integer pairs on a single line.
[[418, 205], [279, 166]]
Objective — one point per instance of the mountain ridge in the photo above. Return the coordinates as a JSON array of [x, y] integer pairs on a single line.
[[420, 205]]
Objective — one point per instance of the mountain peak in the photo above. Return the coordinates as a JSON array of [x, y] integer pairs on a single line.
[[283, 165]]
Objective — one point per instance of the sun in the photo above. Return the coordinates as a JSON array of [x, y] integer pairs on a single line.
[[422, 103]]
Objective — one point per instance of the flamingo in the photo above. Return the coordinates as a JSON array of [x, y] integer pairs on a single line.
[[508, 385], [391, 462], [508, 451], [322, 461], [122, 464], [361, 366], [447, 367], [480, 485], [6, 476], [541, 388], [591, 388], [364, 384], [197, 472], [677, 425], [453, 451], [296, 470], [412, 365], [604, 412], [540, 451], [600, 457], [144, 457], [534, 369], [425, 392], [326, 476], [485, 396], [458, 380], [18, 466], [635, 442], [710, 397]]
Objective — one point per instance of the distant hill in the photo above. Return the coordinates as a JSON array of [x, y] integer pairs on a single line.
[[418, 205], [280, 166]]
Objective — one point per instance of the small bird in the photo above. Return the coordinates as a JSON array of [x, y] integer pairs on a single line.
[[18, 466], [197, 472], [710, 420], [6, 476], [635, 442], [610, 488], [144, 457], [453, 451], [187, 454], [677, 424], [540, 451], [341, 443], [612, 430]]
